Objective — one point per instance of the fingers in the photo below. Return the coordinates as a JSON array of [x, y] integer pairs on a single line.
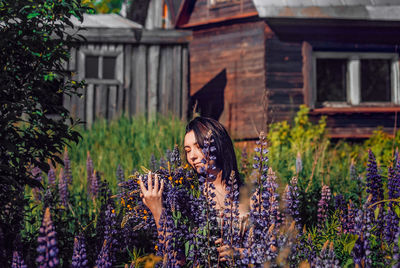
[[218, 241], [142, 187], [225, 252], [149, 182], [161, 188], [155, 189], [223, 249]]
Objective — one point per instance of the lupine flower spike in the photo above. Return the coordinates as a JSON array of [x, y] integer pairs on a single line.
[[17, 261], [323, 205], [292, 202], [51, 175], [94, 184], [374, 180], [327, 257], [104, 258], [79, 257], [63, 189], [47, 243]]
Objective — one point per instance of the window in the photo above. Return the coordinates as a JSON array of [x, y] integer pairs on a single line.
[[100, 67], [342, 79]]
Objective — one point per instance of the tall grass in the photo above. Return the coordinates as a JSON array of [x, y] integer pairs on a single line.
[[128, 142]]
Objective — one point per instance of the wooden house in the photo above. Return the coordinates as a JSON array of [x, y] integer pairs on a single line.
[[254, 62], [128, 69]]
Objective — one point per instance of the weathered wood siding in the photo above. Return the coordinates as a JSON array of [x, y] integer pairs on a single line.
[[203, 12], [151, 77], [288, 86], [228, 61], [284, 78]]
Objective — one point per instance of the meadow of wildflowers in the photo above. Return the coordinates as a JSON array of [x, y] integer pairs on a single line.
[[85, 217]]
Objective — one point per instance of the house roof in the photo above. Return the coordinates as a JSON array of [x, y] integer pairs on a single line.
[[105, 21], [386, 10], [107, 28]]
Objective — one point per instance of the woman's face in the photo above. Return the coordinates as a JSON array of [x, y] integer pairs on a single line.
[[194, 153]]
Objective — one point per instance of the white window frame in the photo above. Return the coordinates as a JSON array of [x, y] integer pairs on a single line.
[[353, 77], [101, 54]]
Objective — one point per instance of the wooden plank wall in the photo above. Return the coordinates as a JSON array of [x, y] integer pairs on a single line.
[[204, 12], [151, 79], [284, 78], [227, 63]]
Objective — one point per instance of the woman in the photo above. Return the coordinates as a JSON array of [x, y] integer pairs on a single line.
[[225, 163]]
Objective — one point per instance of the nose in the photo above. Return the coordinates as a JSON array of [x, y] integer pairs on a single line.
[[193, 155]]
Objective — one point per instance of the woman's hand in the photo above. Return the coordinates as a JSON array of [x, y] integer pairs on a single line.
[[152, 196], [224, 251]]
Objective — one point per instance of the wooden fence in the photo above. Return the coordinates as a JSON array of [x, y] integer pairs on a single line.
[[146, 77]]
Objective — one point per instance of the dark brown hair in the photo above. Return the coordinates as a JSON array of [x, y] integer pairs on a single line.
[[225, 153]]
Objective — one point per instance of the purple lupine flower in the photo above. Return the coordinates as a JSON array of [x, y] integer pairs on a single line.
[[176, 157], [374, 180], [391, 220], [104, 258], [230, 220], [51, 176], [348, 220], [263, 213], [323, 205], [168, 154], [79, 257], [292, 202], [308, 250], [47, 243], [339, 202], [110, 222], [63, 189], [94, 184], [89, 172], [327, 257], [67, 168], [17, 261], [396, 251], [363, 228]]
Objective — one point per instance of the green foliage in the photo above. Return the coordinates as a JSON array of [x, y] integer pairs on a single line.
[[106, 6], [33, 46], [129, 142], [34, 125]]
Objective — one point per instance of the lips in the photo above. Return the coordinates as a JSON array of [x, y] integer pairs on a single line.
[[197, 165]]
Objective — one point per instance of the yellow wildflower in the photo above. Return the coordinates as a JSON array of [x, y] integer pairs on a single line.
[[170, 178], [145, 211]]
